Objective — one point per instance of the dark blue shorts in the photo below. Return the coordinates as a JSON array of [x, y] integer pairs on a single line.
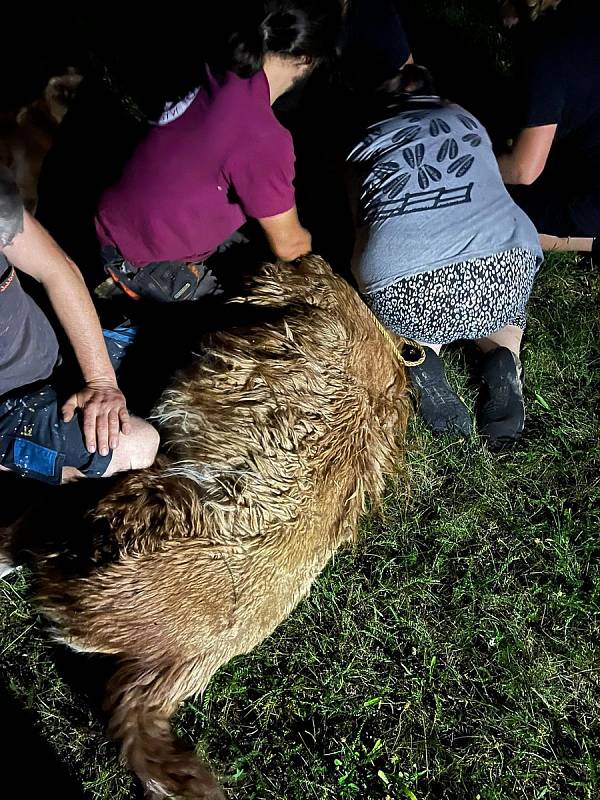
[[36, 442]]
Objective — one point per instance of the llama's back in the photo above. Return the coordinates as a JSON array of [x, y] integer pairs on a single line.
[[275, 435]]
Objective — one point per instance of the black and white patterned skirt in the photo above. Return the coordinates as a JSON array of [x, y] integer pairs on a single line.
[[468, 300]]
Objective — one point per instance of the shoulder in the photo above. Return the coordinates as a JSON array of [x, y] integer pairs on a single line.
[[464, 118], [244, 93]]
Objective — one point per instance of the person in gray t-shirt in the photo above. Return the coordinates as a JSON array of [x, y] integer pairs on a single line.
[[40, 436], [443, 253]]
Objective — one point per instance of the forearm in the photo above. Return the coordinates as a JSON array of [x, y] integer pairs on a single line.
[[294, 246], [74, 308], [527, 159], [36, 253], [287, 238]]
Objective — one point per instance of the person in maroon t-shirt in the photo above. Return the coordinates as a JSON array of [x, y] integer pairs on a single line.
[[216, 159]]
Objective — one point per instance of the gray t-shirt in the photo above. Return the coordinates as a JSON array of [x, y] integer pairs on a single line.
[[28, 345], [432, 195]]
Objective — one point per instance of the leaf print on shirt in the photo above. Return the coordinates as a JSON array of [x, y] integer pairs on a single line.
[[449, 148], [387, 180], [397, 185], [461, 166], [425, 172], [406, 135], [438, 125], [472, 138], [467, 122], [414, 157], [381, 172]]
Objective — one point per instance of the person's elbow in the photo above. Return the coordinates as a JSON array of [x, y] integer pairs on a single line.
[[53, 276], [527, 161], [518, 173], [528, 173]]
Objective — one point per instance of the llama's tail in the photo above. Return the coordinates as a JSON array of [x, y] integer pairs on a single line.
[[141, 700]]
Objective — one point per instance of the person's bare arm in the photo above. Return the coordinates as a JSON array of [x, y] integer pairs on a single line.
[[105, 413], [286, 236], [527, 159]]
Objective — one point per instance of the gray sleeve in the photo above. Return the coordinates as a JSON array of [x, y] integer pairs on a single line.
[[11, 208]]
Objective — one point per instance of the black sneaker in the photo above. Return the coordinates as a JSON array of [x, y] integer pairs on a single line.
[[501, 410], [441, 408]]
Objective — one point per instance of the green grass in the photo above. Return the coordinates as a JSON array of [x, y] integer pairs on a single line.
[[453, 654]]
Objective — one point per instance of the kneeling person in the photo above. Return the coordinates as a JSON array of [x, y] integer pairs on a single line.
[[443, 253], [39, 439]]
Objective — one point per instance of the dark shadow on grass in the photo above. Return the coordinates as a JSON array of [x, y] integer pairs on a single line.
[[87, 677], [31, 768]]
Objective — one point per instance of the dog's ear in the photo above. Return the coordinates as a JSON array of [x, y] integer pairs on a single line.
[[60, 92]]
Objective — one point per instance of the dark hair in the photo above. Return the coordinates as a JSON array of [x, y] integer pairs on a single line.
[[395, 94], [143, 83], [414, 79], [299, 28]]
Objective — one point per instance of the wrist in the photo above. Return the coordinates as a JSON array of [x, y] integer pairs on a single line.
[[103, 381]]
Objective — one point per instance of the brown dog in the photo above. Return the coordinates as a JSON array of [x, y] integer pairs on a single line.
[[514, 10], [274, 437], [26, 137]]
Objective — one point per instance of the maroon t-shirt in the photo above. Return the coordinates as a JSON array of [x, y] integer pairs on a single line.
[[194, 181]]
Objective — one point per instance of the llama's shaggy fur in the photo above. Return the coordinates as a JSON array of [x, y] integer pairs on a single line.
[[274, 436]]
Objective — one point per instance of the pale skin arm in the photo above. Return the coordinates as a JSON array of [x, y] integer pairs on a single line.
[[287, 238], [527, 159], [523, 165], [34, 252]]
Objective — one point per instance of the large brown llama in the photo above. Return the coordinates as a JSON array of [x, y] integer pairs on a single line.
[[273, 437]]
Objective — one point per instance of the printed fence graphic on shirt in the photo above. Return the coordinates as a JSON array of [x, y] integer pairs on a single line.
[[387, 192], [419, 201]]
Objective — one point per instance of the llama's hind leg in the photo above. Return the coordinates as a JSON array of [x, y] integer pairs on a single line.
[[142, 698]]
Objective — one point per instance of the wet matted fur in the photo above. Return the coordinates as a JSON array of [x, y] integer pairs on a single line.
[[273, 438]]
